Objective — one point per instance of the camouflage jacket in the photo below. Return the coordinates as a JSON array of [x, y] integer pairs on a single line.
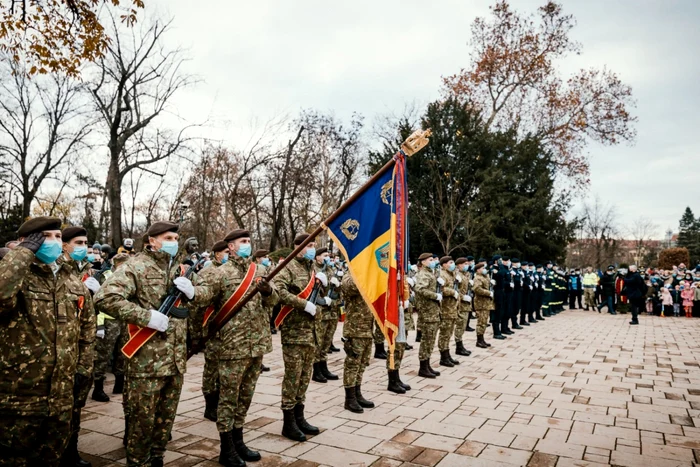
[[450, 294], [47, 330], [195, 322], [482, 293], [464, 289], [358, 317], [299, 326], [428, 307], [78, 268], [138, 286], [247, 334]]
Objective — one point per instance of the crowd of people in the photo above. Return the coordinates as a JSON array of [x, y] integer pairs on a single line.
[[71, 312]]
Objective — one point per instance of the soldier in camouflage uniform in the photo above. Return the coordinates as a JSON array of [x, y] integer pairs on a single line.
[[262, 259], [483, 302], [448, 309], [462, 275], [74, 259], [154, 375], [428, 303], [47, 334], [357, 332], [210, 375], [325, 326], [241, 344], [298, 339], [395, 383], [108, 332]]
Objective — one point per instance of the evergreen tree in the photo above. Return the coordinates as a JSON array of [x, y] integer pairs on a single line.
[[689, 235], [10, 221]]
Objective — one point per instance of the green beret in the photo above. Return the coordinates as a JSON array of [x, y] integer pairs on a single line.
[[236, 234], [219, 246], [39, 224], [161, 227], [69, 233]]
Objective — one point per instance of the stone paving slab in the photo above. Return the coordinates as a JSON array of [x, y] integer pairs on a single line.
[[580, 389]]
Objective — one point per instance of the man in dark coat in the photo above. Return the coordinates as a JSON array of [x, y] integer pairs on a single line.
[[635, 290]]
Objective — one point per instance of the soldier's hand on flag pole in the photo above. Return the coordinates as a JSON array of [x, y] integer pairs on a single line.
[[322, 277], [406, 304], [410, 281]]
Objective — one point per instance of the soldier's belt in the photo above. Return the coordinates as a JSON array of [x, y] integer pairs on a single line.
[[304, 294], [233, 300]]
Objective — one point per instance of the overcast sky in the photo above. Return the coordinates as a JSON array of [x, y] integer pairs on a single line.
[[262, 59]]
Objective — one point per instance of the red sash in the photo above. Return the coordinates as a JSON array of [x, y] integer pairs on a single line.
[[138, 336], [226, 309], [303, 295]]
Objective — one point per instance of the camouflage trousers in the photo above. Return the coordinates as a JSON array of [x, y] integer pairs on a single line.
[[298, 363], [325, 329], [377, 334], [447, 329], [104, 348], [119, 365], [81, 395], [237, 379], [398, 356], [151, 407], [461, 321], [33, 441], [210, 375], [427, 341], [482, 322], [408, 319], [357, 354]]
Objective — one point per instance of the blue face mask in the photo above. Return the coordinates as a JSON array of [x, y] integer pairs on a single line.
[[79, 253], [224, 260], [310, 254], [484, 271], [244, 250], [91, 258], [433, 265], [49, 251], [327, 260], [266, 262], [451, 267], [169, 248]]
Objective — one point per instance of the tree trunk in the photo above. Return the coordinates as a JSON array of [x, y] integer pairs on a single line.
[[114, 194]]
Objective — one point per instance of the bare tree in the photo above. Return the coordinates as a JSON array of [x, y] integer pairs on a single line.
[[44, 124], [133, 86], [598, 233], [642, 231]]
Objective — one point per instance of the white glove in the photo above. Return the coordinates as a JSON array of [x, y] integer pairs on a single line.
[[512, 285], [328, 301], [185, 286], [439, 297], [441, 281], [335, 281], [522, 274], [543, 286], [100, 333], [406, 304], [466, 298], [471, 282], [339, 273], [92, 284], [310, 308], [491, 293], [410, 281], [512, 273], [158, 321], [322, 277], [413, 294], [458, 279], [493, 282], [530, 287]]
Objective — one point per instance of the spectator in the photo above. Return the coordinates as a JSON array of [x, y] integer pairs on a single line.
[[666, 301], [607, 284], [676, 294], [590, 282], [575, 285], [687, 293], [634, 290]]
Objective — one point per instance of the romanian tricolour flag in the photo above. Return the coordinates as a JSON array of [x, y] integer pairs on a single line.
[[372, 234]]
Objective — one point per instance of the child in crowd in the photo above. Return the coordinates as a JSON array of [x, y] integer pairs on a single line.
[[687, 293], [649, 297], [676, 294], [666, 301]]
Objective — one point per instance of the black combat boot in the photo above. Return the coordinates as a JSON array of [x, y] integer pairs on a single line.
[[264, 368], [445, 359], [290, 429], [460, 350], [531, 318], [318, 376], [401, 383], [538, 316], [212, 406], [449, 355], [351, 401], [424, 370], [394, 385], [407, 346], [71, 456], [419, 334], [432, 370], [326, 372], [364, 403], [303, 425], [98, 394], [242, 450], [379, 351], [480, 342], [497, 331], [228, 456], [118, 384], [333, 348], [523, 320], [157, 462]]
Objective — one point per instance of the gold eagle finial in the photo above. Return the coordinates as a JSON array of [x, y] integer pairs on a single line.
[[417, 141]]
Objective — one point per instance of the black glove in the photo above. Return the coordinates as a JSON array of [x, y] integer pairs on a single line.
[[264, 287], [33, 241], [79, 384]]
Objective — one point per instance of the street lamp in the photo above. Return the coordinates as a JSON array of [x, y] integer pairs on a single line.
[[183, 207]]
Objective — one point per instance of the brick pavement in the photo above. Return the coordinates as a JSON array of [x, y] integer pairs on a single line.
[[580, 389]]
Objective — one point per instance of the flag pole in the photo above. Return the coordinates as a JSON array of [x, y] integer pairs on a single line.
[[413, 144]]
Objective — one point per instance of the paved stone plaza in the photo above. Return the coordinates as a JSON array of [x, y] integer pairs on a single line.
[[580, 389]]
